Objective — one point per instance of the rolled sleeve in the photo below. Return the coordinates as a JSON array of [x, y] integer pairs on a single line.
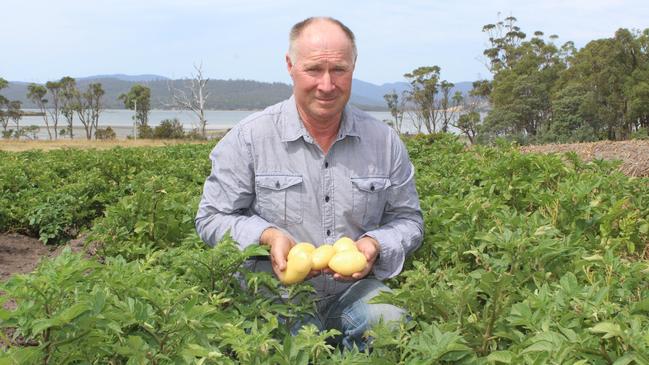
[[401, 229]]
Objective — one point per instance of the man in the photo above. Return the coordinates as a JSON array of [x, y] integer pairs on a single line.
[[315, 169]]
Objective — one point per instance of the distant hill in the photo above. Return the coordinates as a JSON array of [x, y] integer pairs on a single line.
[[134, 78], [224, 94]]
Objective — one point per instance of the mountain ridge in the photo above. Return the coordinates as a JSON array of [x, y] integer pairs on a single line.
[[224, 94]]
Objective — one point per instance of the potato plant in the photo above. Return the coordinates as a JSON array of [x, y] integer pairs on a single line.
[[527, 259]]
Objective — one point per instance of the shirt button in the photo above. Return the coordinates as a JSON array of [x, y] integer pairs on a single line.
[[277, 184], [328, 233], [327, 198], [372, 187], [326, 164]]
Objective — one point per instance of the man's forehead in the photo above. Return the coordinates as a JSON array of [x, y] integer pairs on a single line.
[[317, 59], [324, 35]]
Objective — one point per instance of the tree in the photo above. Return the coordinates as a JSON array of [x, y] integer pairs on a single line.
[[396, 105], [193, 97], [69, 94], [36, 93], [139, 98], [448, 105], [4, 107], [613, 74], [469, 121], [525, 74], [88, 107], [423, 91], [54, 88], [15, 113]]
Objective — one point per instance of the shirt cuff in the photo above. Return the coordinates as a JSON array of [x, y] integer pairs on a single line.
[[391, 254], [248, 232]]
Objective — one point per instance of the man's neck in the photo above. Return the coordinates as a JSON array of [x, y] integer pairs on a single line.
[[324, 132]]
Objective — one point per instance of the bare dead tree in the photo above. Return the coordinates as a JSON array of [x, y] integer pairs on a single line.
[[192, 96]]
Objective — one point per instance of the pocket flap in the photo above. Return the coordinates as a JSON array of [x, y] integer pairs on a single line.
[[371, 184], [277, 182]]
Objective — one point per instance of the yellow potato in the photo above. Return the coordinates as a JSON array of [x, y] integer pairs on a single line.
[[321, 256], [345, 244], [348, 262], [302, 246], [297, 268]]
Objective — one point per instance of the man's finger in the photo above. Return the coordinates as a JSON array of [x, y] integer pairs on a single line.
[[278, 260]]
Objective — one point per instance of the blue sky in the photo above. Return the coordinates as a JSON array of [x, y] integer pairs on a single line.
[[247, 39]]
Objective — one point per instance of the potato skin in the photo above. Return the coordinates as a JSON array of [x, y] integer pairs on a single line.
[[302, 246], [345, 244], [321, 256], [348, 262], [298, 267]]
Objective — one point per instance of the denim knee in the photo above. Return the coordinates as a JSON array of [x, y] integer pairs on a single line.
[[357, 315]]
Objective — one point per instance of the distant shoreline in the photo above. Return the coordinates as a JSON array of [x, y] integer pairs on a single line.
[[122, 132]]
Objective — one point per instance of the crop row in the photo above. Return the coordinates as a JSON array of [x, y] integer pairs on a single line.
[[527, 259]]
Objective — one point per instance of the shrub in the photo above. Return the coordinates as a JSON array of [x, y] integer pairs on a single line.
[[169, 129], [105, 133]]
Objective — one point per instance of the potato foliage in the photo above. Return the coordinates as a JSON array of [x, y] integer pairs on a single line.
[[527, 259]]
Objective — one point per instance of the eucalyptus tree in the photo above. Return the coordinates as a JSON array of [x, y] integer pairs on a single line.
[[36, 93], [396, 105], [448, 105], [69, 94], [524, 76], [609, 79], [55, 89], [424, 86], [88, 106], [139, 98], [15, 113], [4, 106], [469, 120]]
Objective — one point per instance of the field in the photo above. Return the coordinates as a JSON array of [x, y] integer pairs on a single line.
[[527, 259]]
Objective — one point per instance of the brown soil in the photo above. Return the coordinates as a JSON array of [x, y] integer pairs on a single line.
[[21, 254], [633, 154]]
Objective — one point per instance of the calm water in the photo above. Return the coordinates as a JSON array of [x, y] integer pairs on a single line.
[[216, 119]]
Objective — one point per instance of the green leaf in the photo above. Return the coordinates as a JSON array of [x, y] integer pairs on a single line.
[[644, 228], [504, 357], [609, 329], [626, 360], [541, 346]]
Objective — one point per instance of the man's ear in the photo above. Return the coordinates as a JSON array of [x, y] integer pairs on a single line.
[[289, 63]]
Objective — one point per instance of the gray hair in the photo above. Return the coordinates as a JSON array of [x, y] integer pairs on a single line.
[[298, 28]]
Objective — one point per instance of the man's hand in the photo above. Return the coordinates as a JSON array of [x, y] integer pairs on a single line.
[[369, 247], [280, 244]]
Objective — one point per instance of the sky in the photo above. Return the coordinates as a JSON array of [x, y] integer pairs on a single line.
[[247, 39]]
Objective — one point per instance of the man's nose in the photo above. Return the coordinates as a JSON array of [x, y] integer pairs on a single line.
[[326, 83]]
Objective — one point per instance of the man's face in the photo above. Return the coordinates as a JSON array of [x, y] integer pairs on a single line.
[[322, 72]]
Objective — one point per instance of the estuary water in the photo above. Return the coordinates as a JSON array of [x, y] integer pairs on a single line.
[[121, 120]]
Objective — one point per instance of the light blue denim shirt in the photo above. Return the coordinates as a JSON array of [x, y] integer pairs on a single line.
[[269, 172]]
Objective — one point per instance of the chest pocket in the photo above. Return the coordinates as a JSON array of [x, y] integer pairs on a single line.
[[369, 197], [279, 198]]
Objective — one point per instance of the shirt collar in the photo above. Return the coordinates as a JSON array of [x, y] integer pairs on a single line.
[[293, 128]]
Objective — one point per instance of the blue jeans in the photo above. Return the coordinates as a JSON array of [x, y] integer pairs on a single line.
[[350, 313]]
